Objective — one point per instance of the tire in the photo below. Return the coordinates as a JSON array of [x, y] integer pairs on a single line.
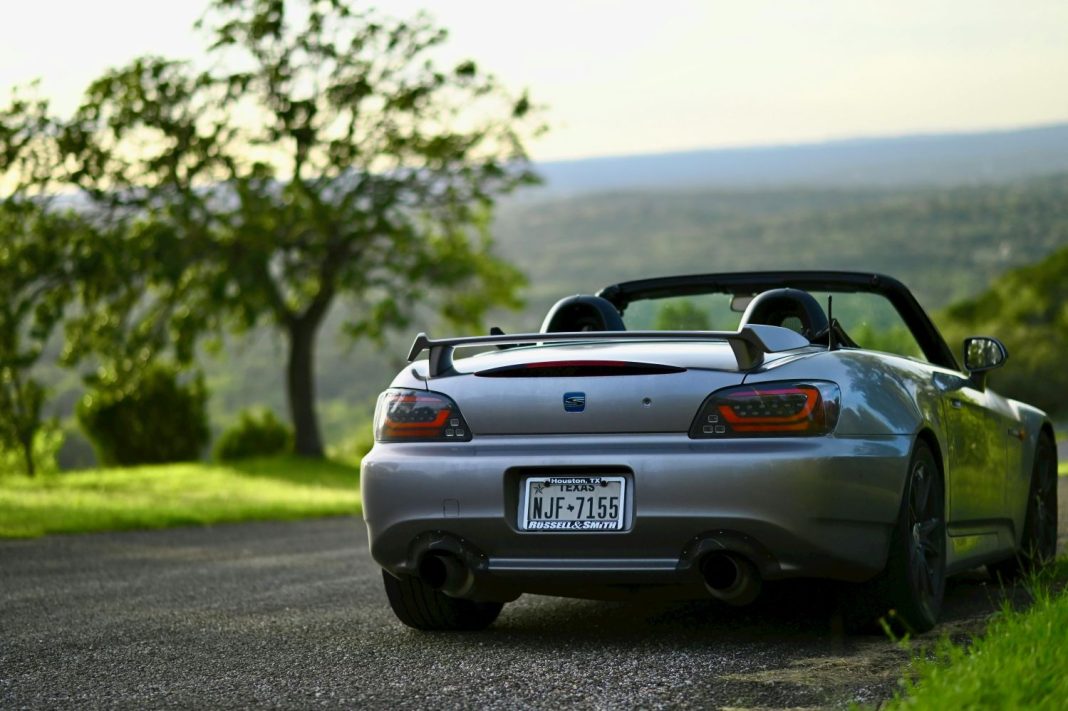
[[420, 606], [908, 594], [1038, 544]]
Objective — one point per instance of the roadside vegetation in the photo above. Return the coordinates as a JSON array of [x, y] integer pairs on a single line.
[[1023, 307], [160, 496], [1019, 662]]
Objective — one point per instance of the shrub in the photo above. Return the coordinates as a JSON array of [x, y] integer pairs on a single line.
[[145, 418], [353, 448], [256, 434]]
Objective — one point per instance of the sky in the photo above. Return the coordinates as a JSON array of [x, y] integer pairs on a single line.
[[625, 77]]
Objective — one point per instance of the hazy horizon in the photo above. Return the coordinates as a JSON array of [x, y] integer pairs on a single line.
[[627, 80]]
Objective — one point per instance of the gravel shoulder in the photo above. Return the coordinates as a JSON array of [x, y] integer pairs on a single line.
[[293, 615]]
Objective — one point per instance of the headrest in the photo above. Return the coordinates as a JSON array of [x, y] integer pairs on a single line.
[[582, 313], [779, 307]]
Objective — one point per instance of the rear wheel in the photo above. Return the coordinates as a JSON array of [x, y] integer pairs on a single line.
[[1038, 545], [418, 605], [908, 593]]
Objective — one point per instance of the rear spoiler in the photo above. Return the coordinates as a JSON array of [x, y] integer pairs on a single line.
[[749, 343]]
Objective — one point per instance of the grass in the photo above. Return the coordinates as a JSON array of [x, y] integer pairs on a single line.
[[1020, 662], [176, 495]]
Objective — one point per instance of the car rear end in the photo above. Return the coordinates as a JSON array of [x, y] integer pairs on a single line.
[[607, 469]]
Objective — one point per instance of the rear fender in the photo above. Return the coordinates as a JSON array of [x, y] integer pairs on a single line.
[[881, 394]]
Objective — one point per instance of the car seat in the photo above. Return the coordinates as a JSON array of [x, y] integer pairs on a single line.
[[790, 308], [582, 313]]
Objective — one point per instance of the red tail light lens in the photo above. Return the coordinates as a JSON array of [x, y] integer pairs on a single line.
[[787, 409], [418, 416]]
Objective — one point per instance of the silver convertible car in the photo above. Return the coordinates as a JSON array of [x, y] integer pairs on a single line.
[[692, 436]]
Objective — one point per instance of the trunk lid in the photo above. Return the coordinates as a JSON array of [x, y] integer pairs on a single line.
[[589, 388]]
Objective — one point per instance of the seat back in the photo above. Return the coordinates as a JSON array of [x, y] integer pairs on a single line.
[[582, 313], [790, 308]]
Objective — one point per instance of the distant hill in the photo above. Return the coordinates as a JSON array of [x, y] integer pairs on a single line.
[[931, 159], [947, 244]]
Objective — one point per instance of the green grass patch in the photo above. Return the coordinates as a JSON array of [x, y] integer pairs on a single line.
[[176, 495], [1020, 661], [1062, 468]]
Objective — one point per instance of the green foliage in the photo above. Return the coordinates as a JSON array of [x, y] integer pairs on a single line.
[[256, 434], [338, 160], [893, 338], [186, 494], [681, 316], [145, 416], [37, 282], [1018, 663], [55, 262], [354, 447], [1027, 309], [47, 441]]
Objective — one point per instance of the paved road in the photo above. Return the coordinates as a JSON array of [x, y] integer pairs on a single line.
[[292, 615]]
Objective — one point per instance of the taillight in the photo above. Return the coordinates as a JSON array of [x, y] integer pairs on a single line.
[[786, 409], [418, 416]]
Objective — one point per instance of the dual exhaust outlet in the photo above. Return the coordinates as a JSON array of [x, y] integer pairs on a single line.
[[728, 577]]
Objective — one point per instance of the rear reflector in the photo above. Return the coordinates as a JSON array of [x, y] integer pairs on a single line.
[[578, 369]]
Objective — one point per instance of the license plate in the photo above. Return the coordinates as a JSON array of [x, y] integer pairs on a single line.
[[573, 503]]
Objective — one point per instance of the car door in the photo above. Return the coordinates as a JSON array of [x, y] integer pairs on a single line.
[[976, 435]]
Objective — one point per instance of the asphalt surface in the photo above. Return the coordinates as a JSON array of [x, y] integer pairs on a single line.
[[293, 615]]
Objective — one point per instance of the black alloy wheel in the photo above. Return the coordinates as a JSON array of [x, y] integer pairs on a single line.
[[927, 529], [909, 591]]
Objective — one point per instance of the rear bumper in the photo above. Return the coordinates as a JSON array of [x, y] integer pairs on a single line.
[[812, 507]]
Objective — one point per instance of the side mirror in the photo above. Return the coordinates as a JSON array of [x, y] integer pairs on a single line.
[[981, 355]]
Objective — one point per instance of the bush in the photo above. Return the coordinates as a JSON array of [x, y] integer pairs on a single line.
[[256, 434], [146, 418], [354, 447]]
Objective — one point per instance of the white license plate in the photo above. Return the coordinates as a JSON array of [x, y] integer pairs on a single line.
[[573, 503]]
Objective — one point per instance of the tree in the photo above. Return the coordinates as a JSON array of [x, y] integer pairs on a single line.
[[34, 264], [336, 161], [36, 287], [681, 316]]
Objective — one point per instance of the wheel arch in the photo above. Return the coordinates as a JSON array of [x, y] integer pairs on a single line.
[[928, 437], [1047, 429]]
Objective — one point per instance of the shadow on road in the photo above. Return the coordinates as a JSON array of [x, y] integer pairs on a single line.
[[802, 609]]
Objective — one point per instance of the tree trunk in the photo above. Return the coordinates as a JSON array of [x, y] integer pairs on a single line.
[[27, 453], [301, 387]]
